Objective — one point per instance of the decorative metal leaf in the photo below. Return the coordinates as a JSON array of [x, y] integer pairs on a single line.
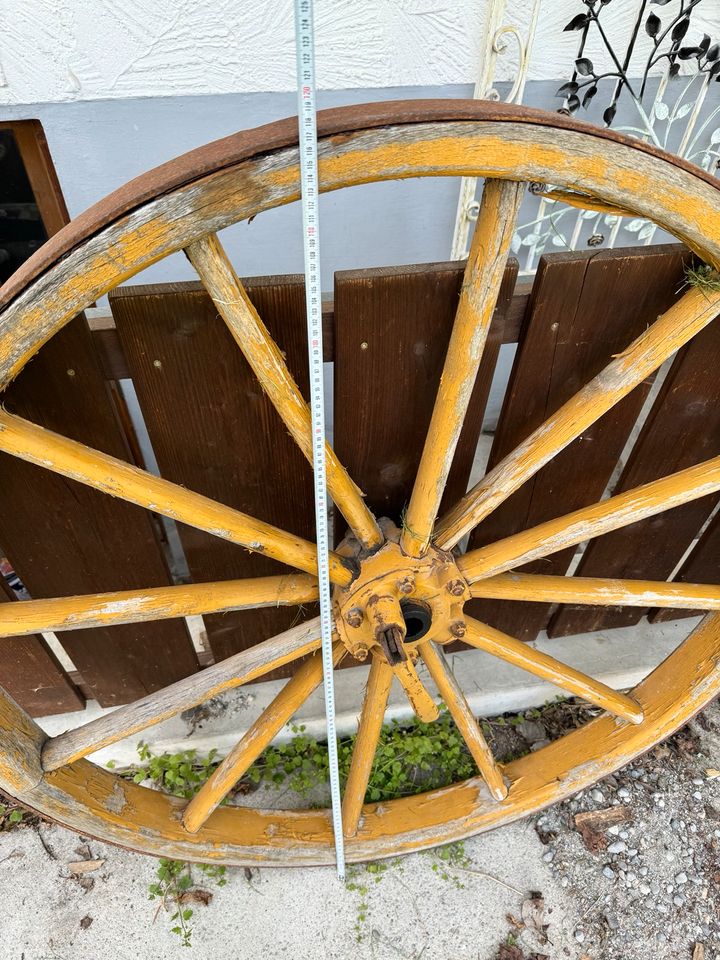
[[589, 94], [705, 42], [584, 66], [530, 239], [683, 111], [609, 114], [674, 70], [680, 28], [573, 103], [662, 111], [577, 23], [714, 70], [652, 25], [714, 52], [688, 53], [567, 89]]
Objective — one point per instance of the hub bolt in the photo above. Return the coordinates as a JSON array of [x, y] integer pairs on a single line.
[[354, 617], [406, 585], [360, 652], [458, 628], [456, 588]]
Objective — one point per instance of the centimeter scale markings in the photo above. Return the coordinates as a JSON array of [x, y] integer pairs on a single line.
[[305, 55]]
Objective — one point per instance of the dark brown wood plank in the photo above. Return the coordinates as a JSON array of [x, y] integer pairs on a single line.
[[64, 538], [214, 431], [682, 429], [701, 566], [392, 327], [585, 307], [508, 320], [28, 668], [31, 674]]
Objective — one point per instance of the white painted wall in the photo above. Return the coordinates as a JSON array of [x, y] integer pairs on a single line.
[[65, 50]]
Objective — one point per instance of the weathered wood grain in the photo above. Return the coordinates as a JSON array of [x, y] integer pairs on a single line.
[[213, 429], [540, 664], [682, 429], [265, 358], [688, 206], [211, 682], [115, 366], [370, 724], [33, 444], [261, 733], [159, 603], [64, 538], [22, 741], [98, 803], [600, 591], [392, 327], [454, 699], [480, 289], [674, 328], [29, 671], [574, 327], [704, 561], [593, 521]]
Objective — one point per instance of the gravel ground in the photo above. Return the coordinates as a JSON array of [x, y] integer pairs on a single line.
[[648, 885], [629, 870]]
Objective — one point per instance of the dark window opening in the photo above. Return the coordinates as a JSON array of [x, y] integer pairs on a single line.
[[21, 227]]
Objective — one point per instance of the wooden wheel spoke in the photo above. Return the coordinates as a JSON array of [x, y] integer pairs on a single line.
[[120, 479], [157, 603], [673, 329], [366, 741], [270, 722], [481, 284], [598, 591], [466, 723], [593, 521], [241, 668], [262, 353], [522, 655], [420, 700]]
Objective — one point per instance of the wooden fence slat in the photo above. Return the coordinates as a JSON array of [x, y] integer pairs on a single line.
[[392, 327], [702, 566], [31, 674], [64, 538], [682, 429], [583, 310], [214, 431]]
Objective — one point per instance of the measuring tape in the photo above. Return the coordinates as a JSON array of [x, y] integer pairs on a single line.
[[305, 56]]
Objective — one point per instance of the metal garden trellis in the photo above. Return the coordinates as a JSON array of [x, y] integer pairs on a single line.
[[661, 74]]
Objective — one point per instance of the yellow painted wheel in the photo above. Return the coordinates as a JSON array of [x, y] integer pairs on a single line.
[[399, 595]]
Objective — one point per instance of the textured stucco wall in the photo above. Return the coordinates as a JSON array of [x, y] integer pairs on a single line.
[[65, 50]]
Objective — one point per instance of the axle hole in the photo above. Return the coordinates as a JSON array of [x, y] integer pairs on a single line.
[[417, 617]]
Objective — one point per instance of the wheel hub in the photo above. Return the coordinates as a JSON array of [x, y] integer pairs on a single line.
[[397, 602]]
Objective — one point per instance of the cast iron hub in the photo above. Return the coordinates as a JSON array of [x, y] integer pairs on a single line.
[[397, 602]]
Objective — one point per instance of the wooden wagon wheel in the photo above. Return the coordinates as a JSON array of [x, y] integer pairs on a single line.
[[379, 570]]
